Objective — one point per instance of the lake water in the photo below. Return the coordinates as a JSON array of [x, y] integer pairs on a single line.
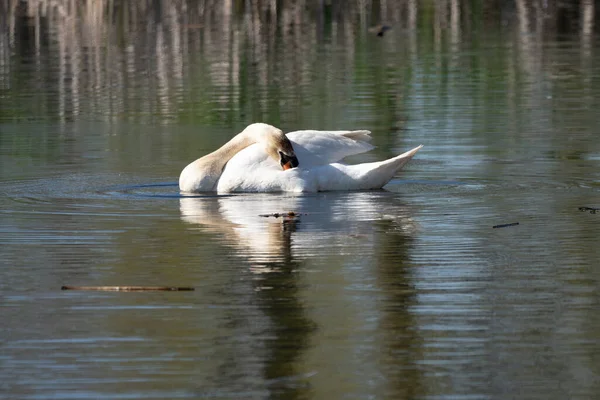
[[408, 292]]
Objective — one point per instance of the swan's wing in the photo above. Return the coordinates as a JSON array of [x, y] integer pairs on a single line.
[[311, 147], [324, 147], [361, 135]]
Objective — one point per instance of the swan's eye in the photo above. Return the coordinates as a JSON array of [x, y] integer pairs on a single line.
[[287, 161]]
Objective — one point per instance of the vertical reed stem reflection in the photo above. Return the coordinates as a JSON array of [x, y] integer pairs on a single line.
[[221, 61]]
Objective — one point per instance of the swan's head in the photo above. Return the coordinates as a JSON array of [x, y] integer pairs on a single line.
[[275, 143]]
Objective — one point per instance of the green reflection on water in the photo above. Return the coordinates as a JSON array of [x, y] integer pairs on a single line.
[[408, 293]]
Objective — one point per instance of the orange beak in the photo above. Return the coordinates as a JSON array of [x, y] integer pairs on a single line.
[[287, 162]]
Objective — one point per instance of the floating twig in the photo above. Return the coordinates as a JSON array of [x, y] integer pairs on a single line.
[[505, 225], [289, 214], [592, 210], [130, 288]]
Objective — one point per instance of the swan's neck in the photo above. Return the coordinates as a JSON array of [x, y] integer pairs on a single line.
[[221, 156], [204, 173]]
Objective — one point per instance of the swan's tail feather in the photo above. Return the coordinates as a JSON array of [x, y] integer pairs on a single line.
[[401, 160], [385, 170], [365, 176], [378, 174]]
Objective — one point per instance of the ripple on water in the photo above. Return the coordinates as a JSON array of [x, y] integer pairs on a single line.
[[83, 195]]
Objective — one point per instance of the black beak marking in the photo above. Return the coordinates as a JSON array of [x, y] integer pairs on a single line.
[[288, 161]]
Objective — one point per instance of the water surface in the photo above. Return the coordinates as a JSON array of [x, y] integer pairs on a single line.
[[408, 292]]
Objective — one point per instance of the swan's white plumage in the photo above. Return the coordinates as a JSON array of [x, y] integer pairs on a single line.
[[325, 147], [319, 153]]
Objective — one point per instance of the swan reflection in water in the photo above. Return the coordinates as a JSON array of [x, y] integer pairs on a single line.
[[322, 224], [323, 258]]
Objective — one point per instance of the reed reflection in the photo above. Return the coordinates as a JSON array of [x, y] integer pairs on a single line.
[[402, 346], [221, 61]]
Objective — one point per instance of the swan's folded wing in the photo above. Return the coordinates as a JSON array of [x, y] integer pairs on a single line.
[[324, 147]]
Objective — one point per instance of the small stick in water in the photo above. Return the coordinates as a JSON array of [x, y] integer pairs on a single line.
[[289, 214], [505, 225], [129, 288]]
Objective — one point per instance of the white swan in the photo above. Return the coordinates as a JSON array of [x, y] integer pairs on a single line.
[[257, 167], [318, 153]]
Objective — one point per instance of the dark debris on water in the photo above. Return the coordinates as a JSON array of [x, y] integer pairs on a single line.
[[380, 30], [505, 225], [289, 214]]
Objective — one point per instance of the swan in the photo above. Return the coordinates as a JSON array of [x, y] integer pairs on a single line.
[[319, 169], [203, 174], [262, 159]]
